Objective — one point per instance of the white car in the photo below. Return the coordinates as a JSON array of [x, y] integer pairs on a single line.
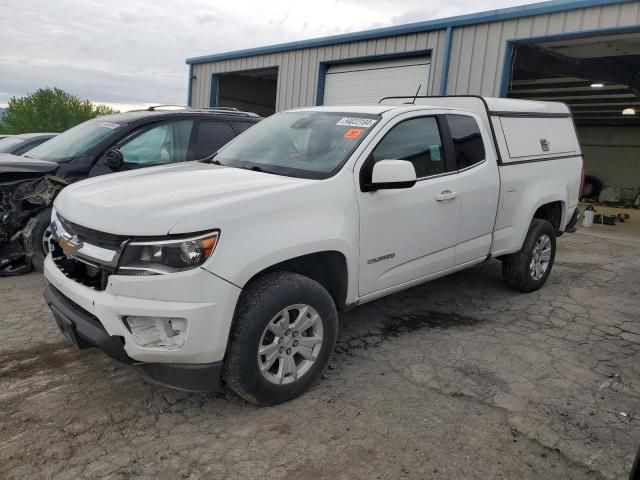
[[233, 269]]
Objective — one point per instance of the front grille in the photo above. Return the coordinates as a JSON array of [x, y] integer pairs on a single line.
[[91, 276], [94, 237]]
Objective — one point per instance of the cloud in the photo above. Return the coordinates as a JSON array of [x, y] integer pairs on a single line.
[[206, 17], [125, 51], [128, 17]]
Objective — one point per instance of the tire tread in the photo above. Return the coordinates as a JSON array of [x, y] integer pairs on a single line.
[[515, 267], [260, 292]]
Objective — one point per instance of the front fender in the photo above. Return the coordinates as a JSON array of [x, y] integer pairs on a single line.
[[264, 261], [320, 218]]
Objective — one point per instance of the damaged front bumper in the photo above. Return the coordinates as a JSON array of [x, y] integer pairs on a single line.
[[21, 199]]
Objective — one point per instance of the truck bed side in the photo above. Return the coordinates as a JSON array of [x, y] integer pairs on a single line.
[[540, 172]]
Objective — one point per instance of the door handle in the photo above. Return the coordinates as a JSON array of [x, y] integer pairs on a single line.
[[446, 195]]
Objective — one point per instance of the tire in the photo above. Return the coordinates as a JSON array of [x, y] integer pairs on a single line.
[[37, 253], [259, 310], [517, 269]]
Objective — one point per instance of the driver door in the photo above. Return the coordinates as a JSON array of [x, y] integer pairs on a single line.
[[409, 233]]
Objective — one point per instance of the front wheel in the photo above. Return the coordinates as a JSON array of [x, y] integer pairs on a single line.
[[40, 238], [284, 331], [528, 269]]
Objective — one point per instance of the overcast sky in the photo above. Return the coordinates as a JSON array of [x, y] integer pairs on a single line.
[[132, 52]]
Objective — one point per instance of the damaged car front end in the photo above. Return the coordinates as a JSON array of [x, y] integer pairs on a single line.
[[27, 191]]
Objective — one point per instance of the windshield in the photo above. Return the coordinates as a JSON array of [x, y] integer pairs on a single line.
[[9, 143], [299, 144], [75, 142]]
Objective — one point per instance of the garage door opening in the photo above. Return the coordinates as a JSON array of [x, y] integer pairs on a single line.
[[365, 83], [253, 91], [597, 77]]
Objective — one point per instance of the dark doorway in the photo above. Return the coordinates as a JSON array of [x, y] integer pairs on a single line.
[[598, 77], [253, 91]]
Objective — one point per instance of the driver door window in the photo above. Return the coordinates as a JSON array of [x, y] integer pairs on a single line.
[[417, 141], [162, 144]]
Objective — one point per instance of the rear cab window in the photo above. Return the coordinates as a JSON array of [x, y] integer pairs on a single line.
[[468, 146]]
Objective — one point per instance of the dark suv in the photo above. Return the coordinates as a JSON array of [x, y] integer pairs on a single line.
[[113, 143]]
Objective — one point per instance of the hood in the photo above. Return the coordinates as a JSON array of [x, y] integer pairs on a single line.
[[15, 164], [152, 201]]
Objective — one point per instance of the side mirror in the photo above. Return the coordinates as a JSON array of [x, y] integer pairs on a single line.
[[114, 160], [392, 174]]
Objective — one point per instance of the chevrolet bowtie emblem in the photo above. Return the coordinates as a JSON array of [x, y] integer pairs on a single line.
[[70, 245]]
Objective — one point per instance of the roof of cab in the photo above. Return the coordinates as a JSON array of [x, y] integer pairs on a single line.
[[366, 109]]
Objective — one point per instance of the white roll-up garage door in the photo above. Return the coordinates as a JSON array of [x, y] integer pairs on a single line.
[[367, 82]]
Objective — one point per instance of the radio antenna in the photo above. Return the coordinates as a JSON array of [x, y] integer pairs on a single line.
[[416, 95]]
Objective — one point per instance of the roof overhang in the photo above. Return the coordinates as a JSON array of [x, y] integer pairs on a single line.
[[529, 10]]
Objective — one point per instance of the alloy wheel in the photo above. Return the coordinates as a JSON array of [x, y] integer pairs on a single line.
[[540, 258], [290, 344]]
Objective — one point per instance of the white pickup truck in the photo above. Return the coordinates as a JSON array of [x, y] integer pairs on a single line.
[[234, 268]]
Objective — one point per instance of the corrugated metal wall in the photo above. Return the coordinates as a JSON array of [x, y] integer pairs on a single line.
[[612, 154], [298, 70], [478, 50], [476, 57]]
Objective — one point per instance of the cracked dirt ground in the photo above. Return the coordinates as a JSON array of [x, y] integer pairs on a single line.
[[458, 378]]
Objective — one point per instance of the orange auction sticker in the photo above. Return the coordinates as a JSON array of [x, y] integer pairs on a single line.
[[353, 132]]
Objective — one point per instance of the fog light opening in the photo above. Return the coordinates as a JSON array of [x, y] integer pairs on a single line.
[[157, 332]]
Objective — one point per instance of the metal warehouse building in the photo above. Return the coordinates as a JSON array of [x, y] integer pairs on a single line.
[[582, 52]]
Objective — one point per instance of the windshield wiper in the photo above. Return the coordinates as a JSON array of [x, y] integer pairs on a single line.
[[211, 160]]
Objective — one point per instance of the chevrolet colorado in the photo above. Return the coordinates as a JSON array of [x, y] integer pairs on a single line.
[[233, 269]]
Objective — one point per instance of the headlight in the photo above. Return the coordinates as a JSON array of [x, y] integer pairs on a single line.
[[157, 257]]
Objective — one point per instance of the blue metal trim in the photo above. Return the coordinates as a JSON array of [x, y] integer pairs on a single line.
[[213, 91], [323, 66], [506, 63], [322, 75], [580, 34], [506, 69], [189, 86], [245, 70], [444, 75], [462, 20]]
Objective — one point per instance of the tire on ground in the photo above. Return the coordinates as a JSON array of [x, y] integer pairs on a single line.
[[516, 267], [37, 253], [259, 303]]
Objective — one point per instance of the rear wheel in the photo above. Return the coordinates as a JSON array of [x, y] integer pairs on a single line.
[[284, 331], [528, 269]]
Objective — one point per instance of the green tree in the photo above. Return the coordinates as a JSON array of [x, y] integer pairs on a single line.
[[48, 110]]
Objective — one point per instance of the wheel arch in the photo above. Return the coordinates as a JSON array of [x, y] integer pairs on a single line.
[[554, 212], [545, 208], [328, 268]]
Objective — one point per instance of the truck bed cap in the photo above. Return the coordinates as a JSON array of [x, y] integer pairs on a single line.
[[525, 106]]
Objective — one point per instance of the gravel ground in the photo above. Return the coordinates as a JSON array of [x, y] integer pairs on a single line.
[[458, 378]]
